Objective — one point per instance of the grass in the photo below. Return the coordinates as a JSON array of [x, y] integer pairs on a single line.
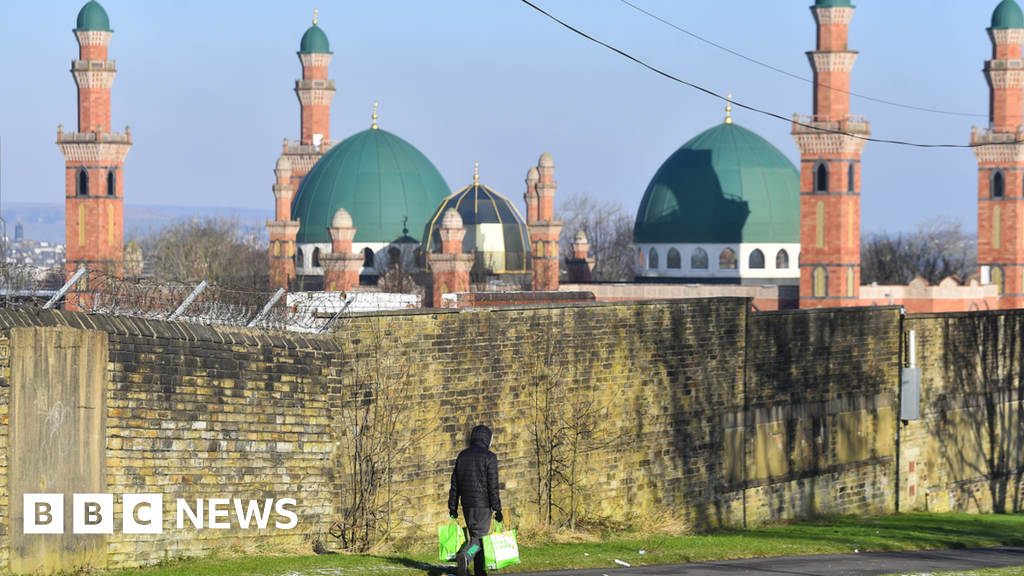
[[1010, 571], [552, 550]]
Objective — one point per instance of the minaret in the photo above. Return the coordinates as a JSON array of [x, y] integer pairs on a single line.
[[1001, 160], [830, 168], [540, 219], [93, 156], [315, 92]]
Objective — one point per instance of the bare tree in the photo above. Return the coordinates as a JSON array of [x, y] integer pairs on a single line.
[[609, 228], [397, 267], [937, 249], [218, 248]]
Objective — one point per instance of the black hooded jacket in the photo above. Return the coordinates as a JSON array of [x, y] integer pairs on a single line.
[[475, 478]]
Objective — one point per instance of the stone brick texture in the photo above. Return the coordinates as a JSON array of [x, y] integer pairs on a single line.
[[726, 416]]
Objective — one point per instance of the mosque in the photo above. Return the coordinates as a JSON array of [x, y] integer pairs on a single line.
[[726, 214]]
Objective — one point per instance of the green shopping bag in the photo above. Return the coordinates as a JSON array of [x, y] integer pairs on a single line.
[[500, 549], [451, 539]]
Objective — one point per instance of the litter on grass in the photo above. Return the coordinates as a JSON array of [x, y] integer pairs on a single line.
[[621, 563]]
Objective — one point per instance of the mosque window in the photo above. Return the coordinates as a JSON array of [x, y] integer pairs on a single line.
[[367, 258], [316, 257], [82, 182], [540, 249], [998, 184], [111, 183], [821, 177], [674, 260], [652, 259], [756, 260], [820, 282], [998, 279], [727, 260], [298, 259], [782, 260], [640, 258], [699, 259], [277, 248], [851, 178], [820, 225], [997, 227], [850, 282]]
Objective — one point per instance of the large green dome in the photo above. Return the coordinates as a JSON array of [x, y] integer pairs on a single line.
[[93, 18], [726, 185], [1007, 16], [314, 41], [384, 183]]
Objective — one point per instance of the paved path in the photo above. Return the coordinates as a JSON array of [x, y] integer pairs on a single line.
[[825, 565]]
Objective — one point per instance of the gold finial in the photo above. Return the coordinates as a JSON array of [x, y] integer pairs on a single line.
[[315, 10], [374, 116], [728, 110], [476, 173]]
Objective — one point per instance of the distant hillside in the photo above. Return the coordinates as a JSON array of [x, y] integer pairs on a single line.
[[45, 222]]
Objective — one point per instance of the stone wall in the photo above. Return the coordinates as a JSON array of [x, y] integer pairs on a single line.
[[727, 416]]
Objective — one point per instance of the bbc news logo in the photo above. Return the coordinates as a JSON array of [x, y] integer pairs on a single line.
[[143, 513]]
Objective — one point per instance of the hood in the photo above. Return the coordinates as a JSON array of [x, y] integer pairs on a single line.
[[481, 436]]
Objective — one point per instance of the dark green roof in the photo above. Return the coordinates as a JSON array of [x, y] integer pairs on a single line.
[[1007, 16], [726, 185], [495, 230], [314, 41], [380, 179], [93, 18], [832, 4]]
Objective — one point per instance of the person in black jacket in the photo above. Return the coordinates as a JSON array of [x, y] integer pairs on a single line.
[[475, 481]]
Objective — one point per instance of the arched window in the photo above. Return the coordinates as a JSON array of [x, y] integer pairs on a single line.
[[640, 258], [998, 184], [367, 258], [756, 260], [316, 257], [820, 282], [997, 227], [82, 182], [998, 278], [850, 282], [277, 247], [820, 225], [727, 260], [652, 259], [699, 259], [111, 183], [851, 177], [298, 259], [821, 176], [674, 260], [782, 260]]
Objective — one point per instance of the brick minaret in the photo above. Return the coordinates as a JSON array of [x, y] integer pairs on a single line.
[[581, 265], [341, 266], [93, 156], [315, 92], [830, 169], [540, 218], [1001, 160], [451, 267]]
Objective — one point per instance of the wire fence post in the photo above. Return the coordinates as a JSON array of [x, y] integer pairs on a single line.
[[64, 289], [270, 304], [331, 322], [184, 305]]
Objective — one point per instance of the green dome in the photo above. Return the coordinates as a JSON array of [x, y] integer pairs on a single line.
[[1007, 16], [384, 183], [93, 18], [832, 4], [726, 185], [495, 231], [314, 41]]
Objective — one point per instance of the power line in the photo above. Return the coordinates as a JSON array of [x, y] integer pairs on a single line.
[[751, 108], [798, 77]]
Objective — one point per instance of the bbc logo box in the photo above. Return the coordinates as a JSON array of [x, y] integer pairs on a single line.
[[143, 513]]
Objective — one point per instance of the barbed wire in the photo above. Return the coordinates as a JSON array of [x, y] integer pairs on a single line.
[[99, 292]]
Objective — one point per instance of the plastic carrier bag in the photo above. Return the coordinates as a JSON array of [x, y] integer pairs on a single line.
[[500, 549], [451, 539]]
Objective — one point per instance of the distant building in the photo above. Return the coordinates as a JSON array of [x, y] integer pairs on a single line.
[[19, 231]]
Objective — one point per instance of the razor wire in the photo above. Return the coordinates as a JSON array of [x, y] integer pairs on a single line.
[[98, 292]]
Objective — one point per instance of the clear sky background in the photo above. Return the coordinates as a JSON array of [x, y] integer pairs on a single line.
[[207, 88]]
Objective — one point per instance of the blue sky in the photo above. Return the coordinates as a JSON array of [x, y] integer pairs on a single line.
[[207, 88]]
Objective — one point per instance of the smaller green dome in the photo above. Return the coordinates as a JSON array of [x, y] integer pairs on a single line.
[[93, 18], [314, 41], [1007, 16]]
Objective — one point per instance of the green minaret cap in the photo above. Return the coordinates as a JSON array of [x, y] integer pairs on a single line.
[[832, 4], [1007, 16], [93, 18]]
